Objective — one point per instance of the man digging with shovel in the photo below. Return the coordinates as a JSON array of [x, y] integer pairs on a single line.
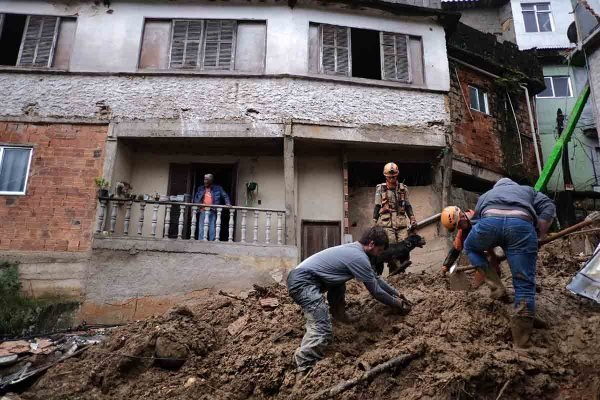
[[507, 216]]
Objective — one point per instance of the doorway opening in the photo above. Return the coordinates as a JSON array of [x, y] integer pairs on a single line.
[[187, 178]]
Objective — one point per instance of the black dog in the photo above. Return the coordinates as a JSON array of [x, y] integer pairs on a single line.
[[398, 252]]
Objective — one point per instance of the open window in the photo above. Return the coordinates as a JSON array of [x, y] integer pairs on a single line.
[[196, 44], [364, 53], [36, 41]]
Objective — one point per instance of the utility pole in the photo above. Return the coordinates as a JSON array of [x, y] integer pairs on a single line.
[[566, 197]]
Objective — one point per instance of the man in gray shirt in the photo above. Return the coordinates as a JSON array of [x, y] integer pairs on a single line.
[[328, 271]]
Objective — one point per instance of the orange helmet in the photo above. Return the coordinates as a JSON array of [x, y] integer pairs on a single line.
[[450, 217], [390, 169]]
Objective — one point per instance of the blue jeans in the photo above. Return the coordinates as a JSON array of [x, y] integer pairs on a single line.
[[212, 225], [519, 240]]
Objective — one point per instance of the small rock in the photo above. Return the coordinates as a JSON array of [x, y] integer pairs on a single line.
[[189, 382], [238, 325], [269, 302], [170, 354]]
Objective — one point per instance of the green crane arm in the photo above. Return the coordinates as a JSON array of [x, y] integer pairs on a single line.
[[562, 140]]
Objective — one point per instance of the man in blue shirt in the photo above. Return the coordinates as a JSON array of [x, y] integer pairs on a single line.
[[508, 216], [328, 271], [209, 194]]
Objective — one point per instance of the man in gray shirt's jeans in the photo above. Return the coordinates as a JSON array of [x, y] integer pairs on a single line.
[[328, 271]]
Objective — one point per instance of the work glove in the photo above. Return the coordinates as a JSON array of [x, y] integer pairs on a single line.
[[402, 306]]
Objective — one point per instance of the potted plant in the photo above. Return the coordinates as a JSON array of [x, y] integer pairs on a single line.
[[102, 185], [123, 190]]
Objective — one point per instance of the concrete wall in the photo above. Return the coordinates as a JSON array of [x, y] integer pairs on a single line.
[[594, 78], [110, 42], [498, 21], [582, 150], [562, 17], [130, 279]]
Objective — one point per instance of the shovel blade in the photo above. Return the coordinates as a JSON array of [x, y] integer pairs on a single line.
[[459, 281]]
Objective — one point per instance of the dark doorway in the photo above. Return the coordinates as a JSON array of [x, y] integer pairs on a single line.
[[319, 235], [366, 58], [187, 178], [10, 38]]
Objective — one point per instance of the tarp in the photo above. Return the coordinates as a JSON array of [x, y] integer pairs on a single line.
[[587, 281]]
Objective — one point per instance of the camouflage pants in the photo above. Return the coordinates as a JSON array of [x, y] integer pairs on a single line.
[[396, 229]]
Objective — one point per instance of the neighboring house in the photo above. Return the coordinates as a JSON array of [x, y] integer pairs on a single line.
[[306, 101], [542, 26], [491, 109]]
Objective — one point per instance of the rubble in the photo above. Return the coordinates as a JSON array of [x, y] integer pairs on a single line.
[[461, 344]]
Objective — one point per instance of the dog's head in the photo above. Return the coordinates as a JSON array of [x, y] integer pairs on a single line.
[[413, 240]]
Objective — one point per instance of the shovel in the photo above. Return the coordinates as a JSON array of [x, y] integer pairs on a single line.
[[459, 281]]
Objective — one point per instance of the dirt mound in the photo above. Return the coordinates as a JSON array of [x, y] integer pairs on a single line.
[[236, 348]]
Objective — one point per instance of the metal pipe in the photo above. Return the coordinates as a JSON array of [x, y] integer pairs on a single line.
[[533, 131]]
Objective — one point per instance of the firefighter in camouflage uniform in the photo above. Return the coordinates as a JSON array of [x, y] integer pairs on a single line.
[[392, 209]]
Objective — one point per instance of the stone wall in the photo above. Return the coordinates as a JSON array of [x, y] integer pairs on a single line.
[[192, 98], [57, 212]]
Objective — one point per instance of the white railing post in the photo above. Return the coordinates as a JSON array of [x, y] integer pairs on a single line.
[[194, 222], [113, 216], [141, 221], [167, 220], [243, 239], [268, 228], [127, 218], [154, 218], [207, 212], [180, 226], [279, 228], [100, 224], [218, 228], [255, 230], [231, 222]]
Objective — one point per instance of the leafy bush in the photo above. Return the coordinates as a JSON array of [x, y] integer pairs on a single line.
[[20, 315]]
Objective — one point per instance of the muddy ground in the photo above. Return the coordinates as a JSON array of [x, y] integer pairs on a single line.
[[465, 336]]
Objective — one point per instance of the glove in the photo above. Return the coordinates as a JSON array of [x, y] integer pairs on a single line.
[[402, 306], [444, 269]]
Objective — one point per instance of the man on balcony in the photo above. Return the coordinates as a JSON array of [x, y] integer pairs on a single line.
[[214, 195]]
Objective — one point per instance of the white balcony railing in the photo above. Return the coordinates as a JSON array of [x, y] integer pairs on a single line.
[[181, 221]]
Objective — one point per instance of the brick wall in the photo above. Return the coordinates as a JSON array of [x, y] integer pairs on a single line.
[[490, 141], [58, 210]]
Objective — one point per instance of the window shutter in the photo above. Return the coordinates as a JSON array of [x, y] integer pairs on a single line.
[[395, 57], [335, 50], [185, 43], [219, 45], [38, 41]]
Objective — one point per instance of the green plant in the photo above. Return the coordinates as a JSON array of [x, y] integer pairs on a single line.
[[20, 315], [101, 182]]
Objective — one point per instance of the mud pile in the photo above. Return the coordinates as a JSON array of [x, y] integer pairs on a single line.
[[236, 348]]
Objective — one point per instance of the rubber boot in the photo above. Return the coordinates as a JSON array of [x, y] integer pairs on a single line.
[[338, 313], [539, 323], [521, 326], [492, 279]]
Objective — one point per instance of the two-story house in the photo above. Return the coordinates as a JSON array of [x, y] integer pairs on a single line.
[[294, 107]]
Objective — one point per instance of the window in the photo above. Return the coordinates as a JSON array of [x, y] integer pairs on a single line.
[[556, 86], [537, 17], [36, 40], [14, 169], [363, 53], [194, 44], [478, 100]]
